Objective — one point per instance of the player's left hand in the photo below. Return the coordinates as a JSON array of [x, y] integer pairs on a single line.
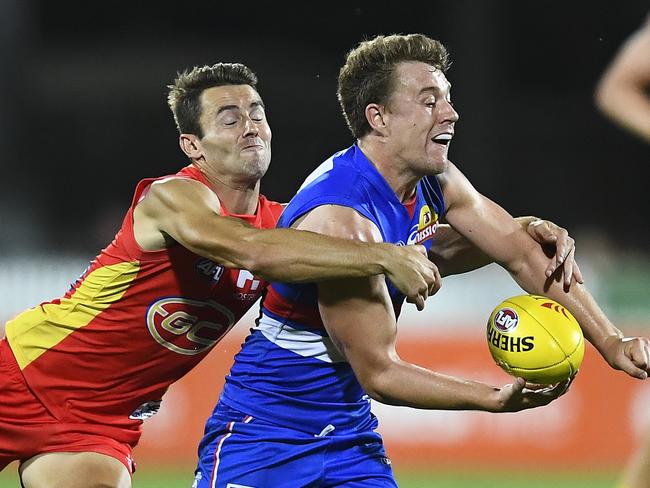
[[547, 233], [521, 395], [629, 354]]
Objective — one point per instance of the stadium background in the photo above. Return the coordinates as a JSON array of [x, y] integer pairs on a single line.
[[83, 117]]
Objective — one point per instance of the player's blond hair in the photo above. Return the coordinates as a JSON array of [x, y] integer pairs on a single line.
[[368, 73], [184, 98]]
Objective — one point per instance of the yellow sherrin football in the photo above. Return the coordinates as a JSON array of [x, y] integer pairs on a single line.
[[535, 338]]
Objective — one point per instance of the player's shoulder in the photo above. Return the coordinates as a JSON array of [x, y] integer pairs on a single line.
[[338, 173], [174, 182], [339, 180], [340, 221], [452, 177], [172, 193], [186, 178], [176, 187]]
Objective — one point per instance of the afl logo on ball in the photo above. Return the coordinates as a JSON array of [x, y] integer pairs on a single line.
[[505, 320]]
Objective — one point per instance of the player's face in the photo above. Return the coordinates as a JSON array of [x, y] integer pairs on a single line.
[[420, 118], [236, 135]]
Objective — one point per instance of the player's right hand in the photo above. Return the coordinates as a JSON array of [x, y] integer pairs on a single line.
[[412, 273], [629, 354], [521, 395]]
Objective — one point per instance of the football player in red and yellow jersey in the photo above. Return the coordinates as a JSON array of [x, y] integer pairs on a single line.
[[81, 373]]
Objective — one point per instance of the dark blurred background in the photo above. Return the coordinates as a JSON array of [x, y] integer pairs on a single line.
[[83, 112]]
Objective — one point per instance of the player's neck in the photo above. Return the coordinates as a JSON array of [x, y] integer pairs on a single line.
[[239, 201], [398, 176], [238, 196]]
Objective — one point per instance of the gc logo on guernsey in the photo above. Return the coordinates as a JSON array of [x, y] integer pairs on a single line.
[[188, 326]]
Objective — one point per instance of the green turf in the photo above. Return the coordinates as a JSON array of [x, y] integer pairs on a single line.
[[505, 479], [149, 478]]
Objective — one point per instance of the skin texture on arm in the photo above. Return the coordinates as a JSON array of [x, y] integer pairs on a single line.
[[359, 318], [453, 254], [497, 234], [622, 91], [187, 212]]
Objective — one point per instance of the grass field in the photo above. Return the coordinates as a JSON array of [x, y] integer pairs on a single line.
[[148, 478]]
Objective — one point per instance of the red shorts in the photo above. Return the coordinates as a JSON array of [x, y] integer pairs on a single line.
[[27, 428]]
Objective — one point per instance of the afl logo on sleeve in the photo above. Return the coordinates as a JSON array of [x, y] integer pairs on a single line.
[[209, 270], [426, 226], [188, 326]]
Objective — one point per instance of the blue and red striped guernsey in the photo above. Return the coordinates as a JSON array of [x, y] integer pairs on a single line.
[[132, 324], [289, 372]]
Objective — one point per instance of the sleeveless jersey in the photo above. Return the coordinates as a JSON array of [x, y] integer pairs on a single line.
[[132, 324], [289, 372]]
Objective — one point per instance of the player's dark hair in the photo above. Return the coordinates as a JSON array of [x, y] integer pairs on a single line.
[[184, 96], [368, 73]]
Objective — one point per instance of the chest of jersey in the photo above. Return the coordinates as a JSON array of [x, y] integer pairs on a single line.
[[201, 306]]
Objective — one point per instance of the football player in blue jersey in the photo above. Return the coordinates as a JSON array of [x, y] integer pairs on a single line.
[[295, 410]]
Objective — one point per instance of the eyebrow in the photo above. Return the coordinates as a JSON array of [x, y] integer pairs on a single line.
[[434, 89], [224, 108]]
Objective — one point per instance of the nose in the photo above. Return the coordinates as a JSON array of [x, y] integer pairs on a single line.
[[449, 113], [250, 128]]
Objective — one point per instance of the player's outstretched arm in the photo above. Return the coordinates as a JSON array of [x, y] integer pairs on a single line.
[[359, 318], [621, 93], [497, 234], [187, 212], [453, 254]]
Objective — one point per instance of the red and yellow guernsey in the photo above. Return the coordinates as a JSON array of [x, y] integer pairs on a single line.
[[132, 324]]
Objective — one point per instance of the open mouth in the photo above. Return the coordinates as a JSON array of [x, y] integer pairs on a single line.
[[443, 139]]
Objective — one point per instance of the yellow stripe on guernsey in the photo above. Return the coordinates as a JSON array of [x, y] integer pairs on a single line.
[[38, 329]]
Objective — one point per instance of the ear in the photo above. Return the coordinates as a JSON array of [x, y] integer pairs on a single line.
[[191, 146], [375, 115]]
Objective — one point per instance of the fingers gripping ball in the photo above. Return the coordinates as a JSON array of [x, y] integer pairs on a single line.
[[536, 338]]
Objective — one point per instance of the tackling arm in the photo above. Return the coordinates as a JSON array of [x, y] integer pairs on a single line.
[[453, 254], [187, 212]]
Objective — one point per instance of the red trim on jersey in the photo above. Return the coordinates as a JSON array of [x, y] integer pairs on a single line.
[[294, 312], [409, 205]]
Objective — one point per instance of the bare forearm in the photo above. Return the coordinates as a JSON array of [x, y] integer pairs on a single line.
[[300, 256], [596, 327], [275, 254], [409, 385], [454, 254]]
